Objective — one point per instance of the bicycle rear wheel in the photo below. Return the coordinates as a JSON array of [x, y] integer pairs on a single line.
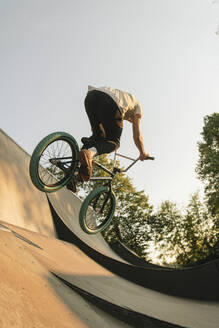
[[97, 210], [53, 161]]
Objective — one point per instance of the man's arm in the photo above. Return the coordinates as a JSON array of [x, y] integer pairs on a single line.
[[137, 136]]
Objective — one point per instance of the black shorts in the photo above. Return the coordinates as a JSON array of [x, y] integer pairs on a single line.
[[105, 120]]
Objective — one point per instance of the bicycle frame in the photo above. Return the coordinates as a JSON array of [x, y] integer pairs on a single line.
[[115, 169]]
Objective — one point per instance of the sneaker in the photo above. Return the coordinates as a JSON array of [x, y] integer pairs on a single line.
[[88, 142], [85, 158]]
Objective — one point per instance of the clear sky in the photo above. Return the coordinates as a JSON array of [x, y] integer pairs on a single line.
[[165, 52]]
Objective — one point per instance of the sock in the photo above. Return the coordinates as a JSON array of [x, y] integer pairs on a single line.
[[93, 151]]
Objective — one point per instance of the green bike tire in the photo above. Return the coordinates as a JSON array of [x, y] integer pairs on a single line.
[[35, 166], [93, 196]]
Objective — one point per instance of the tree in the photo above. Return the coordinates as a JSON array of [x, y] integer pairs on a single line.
[[208, 164], [199, 234], [183, 237], [167, 233]]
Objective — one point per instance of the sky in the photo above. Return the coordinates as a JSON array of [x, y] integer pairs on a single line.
[[164, 52]]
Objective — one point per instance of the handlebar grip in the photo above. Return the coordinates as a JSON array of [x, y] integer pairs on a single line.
[[151, 158]]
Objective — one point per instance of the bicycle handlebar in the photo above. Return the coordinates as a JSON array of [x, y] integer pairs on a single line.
[[135, 161], [120, 170]]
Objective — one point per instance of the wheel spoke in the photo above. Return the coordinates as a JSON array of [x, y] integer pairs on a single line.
[[49, 173], [98, 211]]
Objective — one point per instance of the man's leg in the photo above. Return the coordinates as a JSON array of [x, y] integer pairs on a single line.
[[85, 157], [106, 123], [91, 103], [112, 122]]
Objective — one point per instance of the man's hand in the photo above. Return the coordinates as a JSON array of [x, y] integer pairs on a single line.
[[143, 156]]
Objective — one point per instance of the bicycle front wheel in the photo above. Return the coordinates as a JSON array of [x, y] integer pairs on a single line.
[[53, 161], [97, 210]]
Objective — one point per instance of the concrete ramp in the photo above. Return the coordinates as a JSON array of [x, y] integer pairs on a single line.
[[30, 296], [20, 202], [86, 276], [198, 282], [67, 205]]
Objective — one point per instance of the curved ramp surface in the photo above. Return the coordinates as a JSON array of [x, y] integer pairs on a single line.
[[67, 205], [30, 296], [74, 267], [200, 282], [20, 200], [131, 257]]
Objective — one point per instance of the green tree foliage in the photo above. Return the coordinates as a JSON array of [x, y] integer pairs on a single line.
[[199, 233], [167, 233], [208, 164], [184, 238]]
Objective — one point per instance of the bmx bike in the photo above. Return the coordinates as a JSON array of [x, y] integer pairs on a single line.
[[54, 163]]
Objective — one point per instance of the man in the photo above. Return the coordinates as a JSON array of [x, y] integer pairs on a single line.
[[106, 109]]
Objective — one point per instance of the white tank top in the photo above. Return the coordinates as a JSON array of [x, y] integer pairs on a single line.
[[127, 103]]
